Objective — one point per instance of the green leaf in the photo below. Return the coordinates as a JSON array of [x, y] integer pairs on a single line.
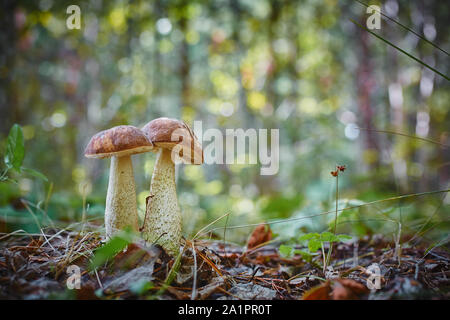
[[15, 148], [314, 245], [171, 275], [328, 236], [285, 251], [35, 173], [99, 293], [140, 287], [110, 249], [309, 236], [343, 237], [305, 255]]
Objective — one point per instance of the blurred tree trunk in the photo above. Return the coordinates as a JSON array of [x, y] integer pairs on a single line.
[[365, 82], [273, 68], [184, 58], [242, 95], [156, 70], [9, 110]]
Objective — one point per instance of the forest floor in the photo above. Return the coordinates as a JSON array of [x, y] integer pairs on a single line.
[[37, 267]]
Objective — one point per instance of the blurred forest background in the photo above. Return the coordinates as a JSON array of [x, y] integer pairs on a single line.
[[299, 66]]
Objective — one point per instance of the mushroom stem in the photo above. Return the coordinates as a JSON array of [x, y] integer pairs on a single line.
[[162, 223], [121, 209]]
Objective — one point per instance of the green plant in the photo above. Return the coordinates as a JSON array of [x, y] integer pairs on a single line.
[[335, 173], [14, 155], [288, 251], [110, 249], [314, 242], [11, 170]]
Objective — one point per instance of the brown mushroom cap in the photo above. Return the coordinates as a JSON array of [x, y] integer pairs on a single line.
[[167, 133], [118, 141]]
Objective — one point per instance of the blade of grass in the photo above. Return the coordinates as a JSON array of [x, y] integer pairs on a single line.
[[404, 135], [440, 243], [401, 50], [406, 196], [49, 194], [209, 224], [421, 231], [172, 273], [36, 220], [407, 28]]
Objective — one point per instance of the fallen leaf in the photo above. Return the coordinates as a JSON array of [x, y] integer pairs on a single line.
[[86, 292], [339, 289], [135, 255], [320, 292], [347, 289], [260, 234], [125, 281]]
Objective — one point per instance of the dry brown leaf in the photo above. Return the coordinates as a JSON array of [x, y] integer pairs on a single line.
[[339, 289], [134, 256], [86, 292], [347, 289], [320, 292], [260, 234]]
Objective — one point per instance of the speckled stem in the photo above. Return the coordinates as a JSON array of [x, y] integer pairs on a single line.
[[121, 209], [162, 223]]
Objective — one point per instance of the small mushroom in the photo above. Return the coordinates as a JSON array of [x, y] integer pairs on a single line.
[[171, 138], [119, 143]]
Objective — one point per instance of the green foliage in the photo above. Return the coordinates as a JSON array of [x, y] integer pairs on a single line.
[[141, 287], [289, 251], [110, 249], [313, 242], [34, 173], [281, 206], [15, 148], [285, 250], [15, 153], [172, 274], [316, 240]]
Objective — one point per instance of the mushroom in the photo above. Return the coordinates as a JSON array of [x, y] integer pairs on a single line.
[[174, 141], [119, 143]]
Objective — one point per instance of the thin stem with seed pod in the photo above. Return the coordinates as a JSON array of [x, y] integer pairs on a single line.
[[327, 260]]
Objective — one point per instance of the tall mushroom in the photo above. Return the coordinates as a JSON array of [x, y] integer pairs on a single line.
[[119, 143], [171, 138]]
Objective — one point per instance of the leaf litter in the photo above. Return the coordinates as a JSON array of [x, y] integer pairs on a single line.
[[35, 267]]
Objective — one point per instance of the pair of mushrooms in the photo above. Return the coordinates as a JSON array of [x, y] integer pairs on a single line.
[[173, 141]]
